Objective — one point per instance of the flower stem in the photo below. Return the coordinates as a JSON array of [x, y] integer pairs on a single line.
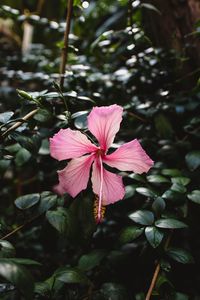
[[157, 270], [66, 43]]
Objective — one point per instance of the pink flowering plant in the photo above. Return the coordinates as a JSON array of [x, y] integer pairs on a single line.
[[103, 123]]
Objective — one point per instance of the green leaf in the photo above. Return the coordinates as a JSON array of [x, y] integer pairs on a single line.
[[150, 7], [157, 179], [31, 144], [170, 223], [181, 180], [22, 157], [25, 261], [27, 201], [154, 236], [71, 275], [91, 260], [6, 249], [6, 116], [43, 115], [171, 172], [180, 296], [58, 219], [193, 160], [113, 291], [143, 217], [145, 192], [179, 188], [130, 191], [158, 205], [137, 177], [18, 276], [194, 196], [130, 233], [81, 122], [47, 201], [180, 255]]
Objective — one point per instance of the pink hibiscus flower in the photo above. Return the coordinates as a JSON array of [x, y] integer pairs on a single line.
[[103, 123]]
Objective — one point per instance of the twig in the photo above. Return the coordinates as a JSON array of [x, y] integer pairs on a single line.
[[40, 6], [24, 119], [66, 43], [18, 228], [136, 116], [157, 270]]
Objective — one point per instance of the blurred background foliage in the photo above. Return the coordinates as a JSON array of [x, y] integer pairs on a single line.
[[144, 56]]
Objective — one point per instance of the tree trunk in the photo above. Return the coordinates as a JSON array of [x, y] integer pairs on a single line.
[[174, 28]]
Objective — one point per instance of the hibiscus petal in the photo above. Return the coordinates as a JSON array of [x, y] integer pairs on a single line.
[[74, 178], [130, 157], [58, 189], [69, 143], [112, 187], [104, 123]]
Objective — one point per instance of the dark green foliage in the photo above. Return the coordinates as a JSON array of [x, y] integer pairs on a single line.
[[55, 249]]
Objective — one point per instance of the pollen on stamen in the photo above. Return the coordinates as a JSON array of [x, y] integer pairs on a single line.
[[95, 210]]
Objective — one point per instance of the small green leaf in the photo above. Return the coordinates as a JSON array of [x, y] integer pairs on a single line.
[[179, 188], [150, 7], [130, 233], [25, 261], [170, 224], [193, 160], [171, 172], [47, 200], [91, 260], [145, 192], [58, 219], [181, 180], [6, 249], [113, 291], [6, 116], [157, 179], [27, 201], [154, 236], [43, 115], [194, 196], [18, 276], [130, 191], [143, 217], [180, 255], [71, 275], [158, 205], [22, 157]]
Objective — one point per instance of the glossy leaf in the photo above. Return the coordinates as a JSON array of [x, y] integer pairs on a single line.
[[154, 236], [72, 275], [170, 224], [180, 255], [91, 260], [145, 192], [18, 276], [157, 179], [58, 219], [194, 196], [27, 201], [130, 233], [193, 160], [143, 217], [6, 249], [158, 205]]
